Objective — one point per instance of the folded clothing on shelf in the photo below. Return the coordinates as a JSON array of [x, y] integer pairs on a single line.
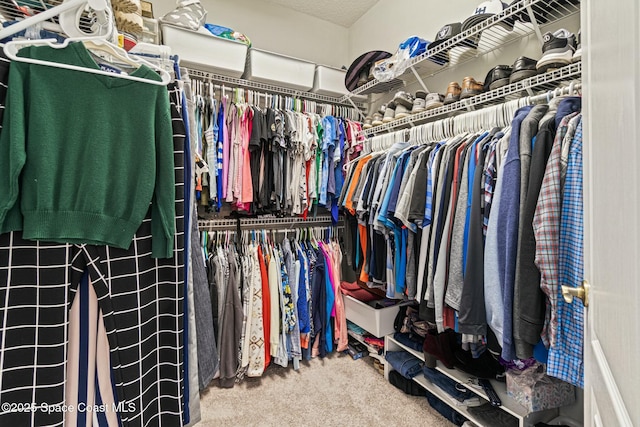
[[405, 384], [355, 328], [445, 410], [493, 416], [454, 389], [413, 341], [358, 292], [404, 362]]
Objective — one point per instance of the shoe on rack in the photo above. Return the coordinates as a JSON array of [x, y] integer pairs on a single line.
[[419, 102], [497, 77], [401, 111], [523, 68], [557, 50], [453, 93], [404, 99], [377, 118], [577, 56], [434, 100], [389, 112], [367, 123], [470, 87]]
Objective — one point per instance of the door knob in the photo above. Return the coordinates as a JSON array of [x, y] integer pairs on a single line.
[[582, 293]]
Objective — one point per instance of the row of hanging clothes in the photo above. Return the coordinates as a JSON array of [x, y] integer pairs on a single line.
[[273, 298], [258, 153], [478, 217]]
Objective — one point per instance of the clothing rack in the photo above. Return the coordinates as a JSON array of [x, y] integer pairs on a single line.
[[498, 115], [271, 89]]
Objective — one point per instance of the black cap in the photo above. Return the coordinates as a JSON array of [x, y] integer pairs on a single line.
[[447, 32], [363, 63]]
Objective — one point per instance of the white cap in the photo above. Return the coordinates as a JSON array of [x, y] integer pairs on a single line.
[[484, 10]]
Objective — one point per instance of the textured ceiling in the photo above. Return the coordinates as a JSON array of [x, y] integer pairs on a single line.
[[340, 12]]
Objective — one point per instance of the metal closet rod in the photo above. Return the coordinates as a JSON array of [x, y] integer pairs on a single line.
[[265, 223], [264, 93], [533, 99], [275, 90]]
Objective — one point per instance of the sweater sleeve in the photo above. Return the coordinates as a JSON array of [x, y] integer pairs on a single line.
[[163, 202], [12, 151]]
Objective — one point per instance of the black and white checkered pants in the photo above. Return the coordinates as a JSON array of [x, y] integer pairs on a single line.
[[142, 301]]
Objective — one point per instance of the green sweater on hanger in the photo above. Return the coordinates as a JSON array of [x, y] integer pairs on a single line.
[[82, 155]]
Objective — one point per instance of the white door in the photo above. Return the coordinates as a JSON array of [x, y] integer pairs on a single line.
[[611, 73]]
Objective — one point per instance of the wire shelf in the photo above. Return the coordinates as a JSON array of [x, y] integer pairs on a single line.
[[531, 86], [271, 88], [514, 23]]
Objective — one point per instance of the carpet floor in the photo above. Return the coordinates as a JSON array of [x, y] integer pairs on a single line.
[[335, 391]]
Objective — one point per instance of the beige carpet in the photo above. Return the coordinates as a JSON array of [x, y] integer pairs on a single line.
[[336, 391]]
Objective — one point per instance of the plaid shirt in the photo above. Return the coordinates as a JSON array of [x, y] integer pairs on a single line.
[[546, 229], [565, 357], [489, 182]]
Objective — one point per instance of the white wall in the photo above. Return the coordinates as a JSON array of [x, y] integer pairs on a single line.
[[390, 22], [277, 29]]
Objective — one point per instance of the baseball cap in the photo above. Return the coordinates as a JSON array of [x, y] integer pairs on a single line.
[[483, 11], [362, 64], [445, 33]]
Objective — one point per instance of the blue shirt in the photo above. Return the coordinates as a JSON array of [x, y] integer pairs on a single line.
[[566, 356], [507, 225], [428, 208], [471, 174]]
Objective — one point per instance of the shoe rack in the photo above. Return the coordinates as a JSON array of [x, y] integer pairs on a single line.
[[524, 20], [529, 87], [538, 12], [519, 413]]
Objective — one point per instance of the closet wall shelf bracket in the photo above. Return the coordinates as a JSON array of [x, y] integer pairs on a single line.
[[422, 84]]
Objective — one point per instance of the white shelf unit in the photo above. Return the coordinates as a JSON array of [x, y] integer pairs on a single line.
[[510, 406], [436, 60]]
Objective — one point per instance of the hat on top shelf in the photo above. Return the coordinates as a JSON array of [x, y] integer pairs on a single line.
[[484, 11], [454, 53], [359, 71], [445, 33]]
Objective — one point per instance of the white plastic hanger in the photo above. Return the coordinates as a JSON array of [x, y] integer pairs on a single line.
[[96, 43], [66, 6]]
